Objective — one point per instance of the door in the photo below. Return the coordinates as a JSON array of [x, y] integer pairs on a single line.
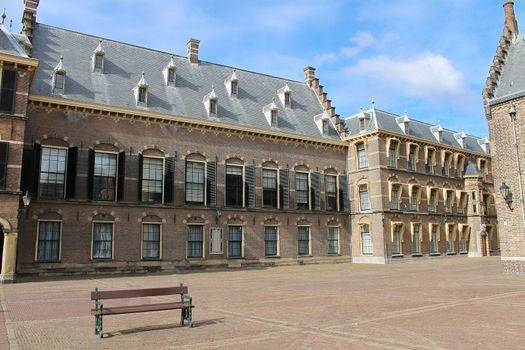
[[484, 245]]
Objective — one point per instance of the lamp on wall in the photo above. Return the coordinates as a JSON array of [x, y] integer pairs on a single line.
[[512, 111], [504, 189], [26, 199], [218, 215]]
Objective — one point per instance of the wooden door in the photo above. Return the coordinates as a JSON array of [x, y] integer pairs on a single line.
[[484, 245]]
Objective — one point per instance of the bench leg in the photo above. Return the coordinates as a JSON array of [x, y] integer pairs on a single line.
[[189, 317], [182, 314], [98, 326]]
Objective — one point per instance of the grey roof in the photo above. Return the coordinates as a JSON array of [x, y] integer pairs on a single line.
[[472, 169], [123, 67], [511, 83], [11, 43], [381, 120]]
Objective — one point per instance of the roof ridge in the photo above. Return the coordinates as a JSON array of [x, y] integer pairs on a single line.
[[169, 53]]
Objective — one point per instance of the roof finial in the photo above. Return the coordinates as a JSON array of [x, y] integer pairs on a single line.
[[10, 25], [3, 16], [373, 103]]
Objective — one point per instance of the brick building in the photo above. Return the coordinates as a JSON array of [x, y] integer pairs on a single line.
[[139, 160], [504, 98]]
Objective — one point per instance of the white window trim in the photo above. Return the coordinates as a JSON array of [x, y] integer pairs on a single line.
[[203, 241], [65, 172], [309, 241], [116, 170], [186, 160], [112, 240], [142, 241], [38, 238], [242, 242], [278, 255]]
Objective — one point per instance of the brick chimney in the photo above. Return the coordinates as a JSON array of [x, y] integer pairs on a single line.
[[309, 75], [29, 17], [193, 50], [510, 18]]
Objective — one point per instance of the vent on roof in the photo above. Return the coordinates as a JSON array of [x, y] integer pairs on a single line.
[[460, 138], [437, 131], [285, 96], [232, 84], [59, 77], [271, 113], [170, 73], [98, 58], [141, 92], [211, 103], [403, 123]]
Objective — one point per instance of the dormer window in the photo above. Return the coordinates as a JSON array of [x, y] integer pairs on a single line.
[[285, 95], [325, 127], [170, 73], [403, 123], [141, 92], [211, 103], [213, 106], [232, 84], [271, 113], [287, 99], [234, 88], [362, 124], [460, 138], [59, 77], [437, 131], [98, 58], [98, 62]]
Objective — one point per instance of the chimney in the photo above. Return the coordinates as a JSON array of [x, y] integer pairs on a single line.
[[309, 75], [193, 50], [510, 18], [29, 17]]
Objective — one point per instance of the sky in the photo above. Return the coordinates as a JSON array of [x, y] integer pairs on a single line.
[[427, 58]]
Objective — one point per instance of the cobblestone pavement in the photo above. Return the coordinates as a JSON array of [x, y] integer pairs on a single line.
[[456, 303]]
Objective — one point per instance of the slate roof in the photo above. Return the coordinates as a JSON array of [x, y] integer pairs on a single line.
[[11, 43], [123, 67], [377, 119], [511, 83]]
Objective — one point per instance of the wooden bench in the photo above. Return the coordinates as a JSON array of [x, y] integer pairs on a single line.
[[99, 311]]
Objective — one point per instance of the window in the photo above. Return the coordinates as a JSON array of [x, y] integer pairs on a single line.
[[105, 177], [171, 75], [392, 154], [459, 167], [60, 79], [333, 240], [485, 204], [474, 203], [414, 198], [234, 188], [195, 182], [273, 116], [270, 241], [151, 241], [432, 201], [364, 199], [463, 239], [143, 91], [302, 190], [362, 124], [330, 182], [152, 176], [195, 241], [450, 239], [362, 160], [396, 239], [234, 88], [48, 241], [366, 240], [99, 59], [8, 91], [287, 99], [213, 106], [269, 184], [483, 167], [448, 201], [394, 197], [235, 241], [102, 240], [325, 127], [303, 240], [462, 203], [416, 239], [429, 162], [446, 165], [411, 162], [434, 239], [52, 173], [4, 148]]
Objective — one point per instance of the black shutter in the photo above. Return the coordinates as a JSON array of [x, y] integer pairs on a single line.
[[211, 179], [284, 189], [91, 172], [344, 205], [121, 175], [169, 174], [71, 171], [316, 190], [37, 152], [250, 185], [139, 178], [4, 147]]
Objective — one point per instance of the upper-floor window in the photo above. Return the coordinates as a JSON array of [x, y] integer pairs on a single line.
[[445, 170], [302, 190], [362, 160], [325, 127], [105, 177], [364, 199], [412, 158], [392, 154], [143, 91], [234, 186], [483, 167], [213, 106], [362, 124], [269, 185], [60, 79], [416, 238], [52, 173], [273, 117], [287, 99], [4, 148], [234, 87], [152, 179], [449, 200], [429, 161], [432, 200], [172, 75], [8, 91], [460, 166], [486, 204], [414, 198], [99, 61], [331, 192], [474, 203], [195, 182], [395, 194]]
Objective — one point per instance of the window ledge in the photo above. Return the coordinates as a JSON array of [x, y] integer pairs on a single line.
[[417, 255], [236, 257], [151, 259], [463, 252], [272, 256], [48, 261], [305, 256], [435, 254], [397, 255], [334, 254], [451, 253]]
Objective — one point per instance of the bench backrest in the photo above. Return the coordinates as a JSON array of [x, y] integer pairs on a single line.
[[137, 293]]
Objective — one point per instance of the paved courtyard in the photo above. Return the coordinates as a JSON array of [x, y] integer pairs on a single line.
[[433, 304]]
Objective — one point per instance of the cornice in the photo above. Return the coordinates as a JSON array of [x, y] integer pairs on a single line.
[[25, 61]]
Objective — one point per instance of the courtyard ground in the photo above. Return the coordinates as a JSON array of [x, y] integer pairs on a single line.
[[454, 303]]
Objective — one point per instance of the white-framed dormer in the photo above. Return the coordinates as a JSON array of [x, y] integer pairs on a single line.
[[97, 60], [141, 92], [271, 113], [460, 138], [285, 96], [58, 82], [437, 131], [403, 123], [170, 73], [232, 84], [363, 121], [211, 103], [322, 121], [484, 144]]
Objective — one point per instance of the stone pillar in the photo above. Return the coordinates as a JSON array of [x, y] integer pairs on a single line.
[[9, 258]]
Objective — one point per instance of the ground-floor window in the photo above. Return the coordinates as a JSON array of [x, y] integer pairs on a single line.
[[434, 239], [235, 241], [270, 241], [396, 239], [416, 239], [151, 241], [303, 241], [195, 241], [366, 240], [450, 239], [48, 241], [333, 240], [102, 240], [463, 239]]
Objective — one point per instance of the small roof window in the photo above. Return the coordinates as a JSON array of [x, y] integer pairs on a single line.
[[141, 92], [211, 103], [285, 96], [98, 58], [170, 72], [271, 113], [59, 77]]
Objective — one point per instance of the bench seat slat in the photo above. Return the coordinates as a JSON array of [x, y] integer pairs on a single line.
[[137, 293], [117, 310]]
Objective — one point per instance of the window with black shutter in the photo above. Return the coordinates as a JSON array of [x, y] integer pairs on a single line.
[[8, 91], [152, 178], [104, 183], [169, 175], [269, 185], [4, 148], [121, 175], [234, 186], [284, 189], [330, 182], [316, 190], [52, 177], [250, 185], [71, 171], [344, 204], [211, 179]]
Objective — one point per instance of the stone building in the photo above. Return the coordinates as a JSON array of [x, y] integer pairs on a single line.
[[417, 190], [504, 98]]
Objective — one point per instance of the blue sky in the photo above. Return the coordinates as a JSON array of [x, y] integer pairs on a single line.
[[429, 58]]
